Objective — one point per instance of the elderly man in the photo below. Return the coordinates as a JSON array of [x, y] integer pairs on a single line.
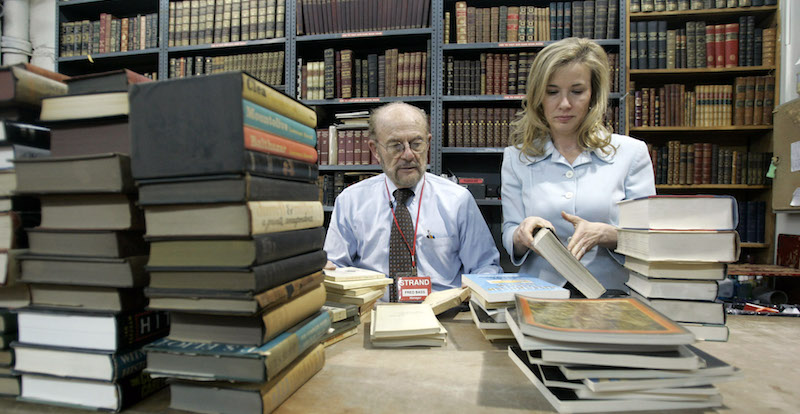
[[406, 222]]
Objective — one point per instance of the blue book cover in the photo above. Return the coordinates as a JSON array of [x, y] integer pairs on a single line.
[[502, 287]]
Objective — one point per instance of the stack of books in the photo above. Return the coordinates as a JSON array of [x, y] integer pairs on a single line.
[[21, 136], [236, 238], [677, 270], [344, 322], [361, 287], [85, 264], [396, 325], [618, 354], [492, 294]]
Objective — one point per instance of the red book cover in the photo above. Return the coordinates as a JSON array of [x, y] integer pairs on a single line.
[[356, 147], [265, 142], [348, 147], [788, 250], [322, 146], [719, 45], [731, 45], [340, 147], [711, 58], [366, 157]]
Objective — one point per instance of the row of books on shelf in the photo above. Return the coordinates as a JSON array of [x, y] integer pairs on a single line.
[[199, 22], [708, 105], [343, 75], [706, 163], [479, 126], [108, 34], [681, 5], [344, 146], [265, 66], [331, 185], [752, 217], [501, 74], [696, 44], [512, 23], [341, 16]]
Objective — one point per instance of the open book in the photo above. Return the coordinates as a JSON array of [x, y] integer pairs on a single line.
[[546, 244]]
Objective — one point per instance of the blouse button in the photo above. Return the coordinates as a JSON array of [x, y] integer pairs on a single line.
[[568, 195], [569, 174]]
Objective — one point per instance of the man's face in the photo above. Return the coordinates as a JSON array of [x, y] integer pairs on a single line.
[[400, 128]]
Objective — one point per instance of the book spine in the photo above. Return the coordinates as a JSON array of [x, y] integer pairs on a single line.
[[281, 318], [276, 246], [293, 377], [277, 216], [137, 387], [285, 348], [263, 119], [135, 329], [257, 140], [268, 165], [255, 91], [129, 363]]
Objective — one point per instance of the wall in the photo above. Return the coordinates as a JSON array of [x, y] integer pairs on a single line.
[[789, 223]]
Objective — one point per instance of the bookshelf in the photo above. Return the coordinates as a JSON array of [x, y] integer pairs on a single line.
[[422, 29], [695, 33]]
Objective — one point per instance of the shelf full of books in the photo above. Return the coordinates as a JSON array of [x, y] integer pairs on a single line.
[[702, 88]]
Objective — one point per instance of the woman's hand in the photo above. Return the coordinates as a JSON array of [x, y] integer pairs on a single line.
[[588, 235], [523, 235], [329, 266]]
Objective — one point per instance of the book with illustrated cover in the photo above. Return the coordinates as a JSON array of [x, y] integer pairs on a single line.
[[608, 321], [502, 287]]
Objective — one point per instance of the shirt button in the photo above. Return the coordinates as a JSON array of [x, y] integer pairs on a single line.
[[569, 174], [568, 195]]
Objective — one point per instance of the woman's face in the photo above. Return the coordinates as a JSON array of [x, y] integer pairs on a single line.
[[567, 98]]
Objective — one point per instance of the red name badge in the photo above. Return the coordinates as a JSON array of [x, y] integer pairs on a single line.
[[413, 289]]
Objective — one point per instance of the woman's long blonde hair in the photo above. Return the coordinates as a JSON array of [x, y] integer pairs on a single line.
[[531, 131]]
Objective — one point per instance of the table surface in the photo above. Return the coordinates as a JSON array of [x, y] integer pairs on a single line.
[[471, 375]]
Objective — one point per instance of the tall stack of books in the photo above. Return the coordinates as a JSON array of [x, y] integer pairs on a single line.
[[361, 287], [234, 223], [23, 87], [618, 354], [492, 294], [85, 265], [676, 270]]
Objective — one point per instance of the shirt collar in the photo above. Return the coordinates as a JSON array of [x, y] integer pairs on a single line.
[[551, 152], [416, 189]]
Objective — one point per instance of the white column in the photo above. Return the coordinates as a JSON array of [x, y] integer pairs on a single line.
[[16, 47]]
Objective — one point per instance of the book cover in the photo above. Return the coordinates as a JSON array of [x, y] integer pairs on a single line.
[[547, 244], [222, 189], [111, 81], [217, 361], [502, 287], [77, 363], [609, 321]]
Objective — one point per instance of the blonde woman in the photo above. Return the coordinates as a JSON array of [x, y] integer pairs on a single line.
[[565, 170]]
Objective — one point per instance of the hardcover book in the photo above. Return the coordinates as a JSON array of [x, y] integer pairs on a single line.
[[26, 85], [208, 301], [231, 252], [88, 298], [673, 288], [679, 212], [604, 321], [203, 118], [77, 363], [112, 81], [84, 271], [214, 189], [679, 245], [227, 362], [101, 173], [91, 330], [89, 394], [262, 397]]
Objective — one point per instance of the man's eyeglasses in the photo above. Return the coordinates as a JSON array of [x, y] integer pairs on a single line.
[[417, 146]]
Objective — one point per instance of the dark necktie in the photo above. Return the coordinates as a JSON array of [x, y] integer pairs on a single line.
[[399, 250]]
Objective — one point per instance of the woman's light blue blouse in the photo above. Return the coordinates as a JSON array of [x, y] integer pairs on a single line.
[[544, 186]]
